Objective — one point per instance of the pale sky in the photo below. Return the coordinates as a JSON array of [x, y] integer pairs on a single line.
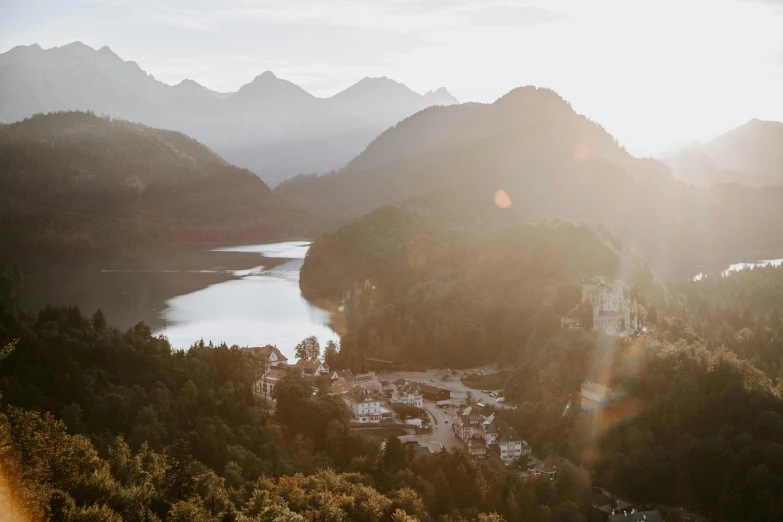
[[653, 73]]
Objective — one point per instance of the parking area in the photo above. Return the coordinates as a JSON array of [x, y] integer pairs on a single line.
[[453, 384], [442, 417]]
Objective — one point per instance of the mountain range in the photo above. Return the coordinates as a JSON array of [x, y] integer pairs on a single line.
[[74, 183], [270, 126], [751, 154], [530, 155]]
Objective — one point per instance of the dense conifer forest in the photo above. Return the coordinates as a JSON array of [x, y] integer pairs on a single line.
[[109, 425], [696, 417]]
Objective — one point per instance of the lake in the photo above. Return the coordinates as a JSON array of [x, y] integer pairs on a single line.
[[263, 306], [245, 295], [743, 266]]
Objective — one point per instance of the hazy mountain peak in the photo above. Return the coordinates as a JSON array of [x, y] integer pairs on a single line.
[[22, 48], [372, 88], [265, 76], [107, 51], [187, 82], [18, 52], [77, 46], [377, 80], [441, 96]]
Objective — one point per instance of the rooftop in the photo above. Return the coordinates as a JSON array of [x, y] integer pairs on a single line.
[[345, 374], [340, 385], [358, 394], [276, 372], [637, 516], [309, 366], [266, 351], [553, 463]]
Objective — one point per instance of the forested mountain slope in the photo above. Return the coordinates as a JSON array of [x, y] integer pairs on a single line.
[[549, 162], [75, 182], [421, 291]]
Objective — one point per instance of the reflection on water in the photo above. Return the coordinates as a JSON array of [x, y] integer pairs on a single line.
[[246, 295], [261, 307], [287, 250], [742, 266]]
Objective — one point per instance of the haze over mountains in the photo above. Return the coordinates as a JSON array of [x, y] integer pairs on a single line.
[[751, 154], [270, 126], [75, 183], [549, 161]]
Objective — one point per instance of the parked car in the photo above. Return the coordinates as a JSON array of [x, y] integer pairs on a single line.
[[500, 399]]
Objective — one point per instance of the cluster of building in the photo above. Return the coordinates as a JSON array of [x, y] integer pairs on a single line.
[[276, 365], [365, 395], [484, 436]]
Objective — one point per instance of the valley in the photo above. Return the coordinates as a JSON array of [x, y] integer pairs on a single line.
[[371, 305], [246, 296]]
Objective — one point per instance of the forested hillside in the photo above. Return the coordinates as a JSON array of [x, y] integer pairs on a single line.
[[741, 312], [100, 424], [696, 413], [76, 183], [688, 424], [422, 291], [549, 161], [696, 408]]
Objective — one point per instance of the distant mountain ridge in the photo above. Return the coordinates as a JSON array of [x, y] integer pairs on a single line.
[[270, 126], [751, 154], [530, 155]]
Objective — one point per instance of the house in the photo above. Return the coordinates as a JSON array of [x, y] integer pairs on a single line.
[[344, 374], [406, 394], [429, 392], [369, 381], [314, 368], [433, 393], [550, 466], [503, 440], [468, 425], [614, 310], [366, 406], [340, 386], [476, 447], [266, 385], [271, 354], [593, 396], [488, 435], [636, 516]]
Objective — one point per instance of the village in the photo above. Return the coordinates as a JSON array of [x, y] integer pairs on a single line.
[[435, 409]]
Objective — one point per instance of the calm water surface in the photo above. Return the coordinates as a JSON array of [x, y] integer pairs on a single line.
[[245, 295], [260, 307]]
